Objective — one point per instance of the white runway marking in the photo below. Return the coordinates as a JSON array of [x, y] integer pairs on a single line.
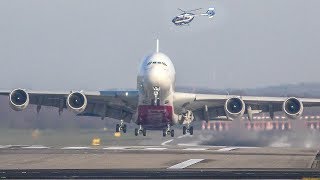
[[191, 144], [166, 142], [155, 148], [185, 164], [227, 149], [36, 147], [115, 147], [195, 149], [5, 146], [75, 147]]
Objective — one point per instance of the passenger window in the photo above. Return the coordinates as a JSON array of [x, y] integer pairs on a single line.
[[154, 62], [159, 62]]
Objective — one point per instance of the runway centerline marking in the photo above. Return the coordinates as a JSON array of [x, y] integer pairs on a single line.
[[185, 164], [227, 149], [166, 142]]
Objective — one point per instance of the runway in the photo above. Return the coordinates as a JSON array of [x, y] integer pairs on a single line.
[[155, 157], [22, 161]]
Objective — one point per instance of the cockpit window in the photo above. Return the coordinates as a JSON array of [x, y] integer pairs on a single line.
[[163, 63]]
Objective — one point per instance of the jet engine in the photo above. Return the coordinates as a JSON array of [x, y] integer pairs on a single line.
[[234, 107], [77, 102], [292, 107], [19, 99]]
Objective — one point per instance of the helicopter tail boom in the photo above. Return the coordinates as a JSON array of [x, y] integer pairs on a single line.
[[210, 13]]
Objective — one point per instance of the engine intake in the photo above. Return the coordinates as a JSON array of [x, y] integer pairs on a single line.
[[234, 107], [292, 107], [18, 99], [77, 102]]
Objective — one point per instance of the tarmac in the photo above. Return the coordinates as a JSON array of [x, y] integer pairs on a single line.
[[176, 157]]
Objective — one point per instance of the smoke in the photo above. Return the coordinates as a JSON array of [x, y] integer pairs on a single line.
[[238, 135]]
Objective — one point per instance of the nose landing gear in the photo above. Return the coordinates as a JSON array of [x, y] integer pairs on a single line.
[[156, 100], [122, 126]]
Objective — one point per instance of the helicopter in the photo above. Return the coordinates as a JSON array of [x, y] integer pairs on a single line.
[[187, 16]]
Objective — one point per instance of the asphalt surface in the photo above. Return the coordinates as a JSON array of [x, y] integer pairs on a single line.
[[150, 157]]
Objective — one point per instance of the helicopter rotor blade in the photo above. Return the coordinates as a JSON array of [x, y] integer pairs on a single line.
[[195, 9], [181, 10]]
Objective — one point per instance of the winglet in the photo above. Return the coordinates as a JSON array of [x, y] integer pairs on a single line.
[[157, 46]]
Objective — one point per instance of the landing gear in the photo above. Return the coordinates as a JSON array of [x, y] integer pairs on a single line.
[[156, 100], [140, 130], [188, 129], [122, 127], [168, 131]]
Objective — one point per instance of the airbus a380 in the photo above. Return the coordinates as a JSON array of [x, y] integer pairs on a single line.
[[155, 105]]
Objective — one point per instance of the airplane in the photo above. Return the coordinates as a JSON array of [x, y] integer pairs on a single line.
[[155, 105], [187, 16]]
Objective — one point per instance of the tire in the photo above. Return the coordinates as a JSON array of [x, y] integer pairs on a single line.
[[152, 102], [172, 133], [144, 132], [158, 102], [117, 128], [124, 129], [136, 131], [164, 133], [191, 130], [184, 130]]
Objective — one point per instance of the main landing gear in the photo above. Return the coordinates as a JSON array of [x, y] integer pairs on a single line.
[[168, 131], [188, 129], [140, 130], [121, 127]]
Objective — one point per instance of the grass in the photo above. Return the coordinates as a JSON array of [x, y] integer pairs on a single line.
[[66, 137]]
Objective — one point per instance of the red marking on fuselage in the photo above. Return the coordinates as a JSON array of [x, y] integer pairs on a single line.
[[155, 117]]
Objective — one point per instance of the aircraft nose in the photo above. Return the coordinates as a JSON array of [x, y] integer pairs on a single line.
[[157, 76]]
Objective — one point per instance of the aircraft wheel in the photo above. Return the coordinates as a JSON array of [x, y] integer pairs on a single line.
[[152, 102], [158, 102], [164, 133], [124, 129], [172, 133], [136, 131], [191, 130], [184, 130], [118, 128], [144, 132]]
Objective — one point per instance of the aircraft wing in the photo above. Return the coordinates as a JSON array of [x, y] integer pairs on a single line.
[[215, 103], [117, 104]]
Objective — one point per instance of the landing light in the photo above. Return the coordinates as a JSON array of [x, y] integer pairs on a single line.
[[96, 142], [117, 134]]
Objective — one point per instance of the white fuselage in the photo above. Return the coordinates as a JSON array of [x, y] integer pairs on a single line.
[[156, 70]]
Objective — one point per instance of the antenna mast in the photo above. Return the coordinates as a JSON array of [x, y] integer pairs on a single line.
[[157, 45]]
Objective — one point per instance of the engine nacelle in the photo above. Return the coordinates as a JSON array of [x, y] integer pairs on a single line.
[[234, 107], [77, 102], [18, 99], [292, 107]]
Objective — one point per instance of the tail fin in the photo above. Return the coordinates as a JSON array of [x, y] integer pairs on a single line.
[[210, 13]]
